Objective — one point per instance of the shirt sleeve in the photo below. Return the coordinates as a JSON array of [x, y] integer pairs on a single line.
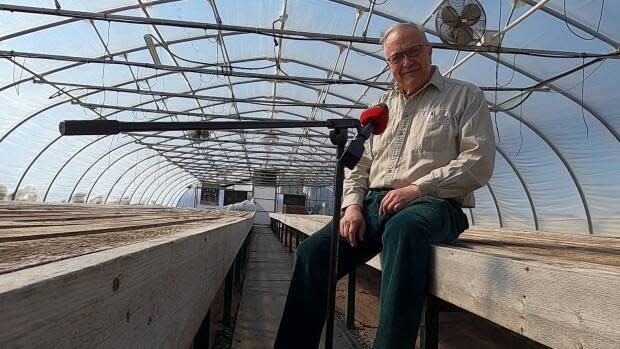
[[474, 164], [356, 180]]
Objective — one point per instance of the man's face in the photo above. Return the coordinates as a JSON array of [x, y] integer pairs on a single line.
[[409, 58]]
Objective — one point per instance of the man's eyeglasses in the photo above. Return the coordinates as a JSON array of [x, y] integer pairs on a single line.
[[411, 52]]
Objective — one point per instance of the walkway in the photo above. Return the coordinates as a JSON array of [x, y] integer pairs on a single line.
[[264, 293]]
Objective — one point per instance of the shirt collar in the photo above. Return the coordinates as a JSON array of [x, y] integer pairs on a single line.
[[436, 80]]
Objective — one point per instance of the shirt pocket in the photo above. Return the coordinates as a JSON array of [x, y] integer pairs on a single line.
[[437, 129]]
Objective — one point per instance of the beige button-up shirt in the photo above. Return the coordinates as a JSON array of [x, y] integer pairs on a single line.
[[440, 139]]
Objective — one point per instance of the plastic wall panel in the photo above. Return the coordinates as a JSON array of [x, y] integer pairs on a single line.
[[588, 147], [555, 196], [514, 206], [485, 212], [588, 12]]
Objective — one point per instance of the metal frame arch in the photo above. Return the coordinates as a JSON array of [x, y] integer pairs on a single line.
[[179, 194], [93, 164], [567, 95], [171, 183], [504, 63], [19, 182], [523, 184], [378, 12], [140, 185], [145, 177], [499, 212], [66, 163], [471, 214], [170, 180], [126, 171], [117, 160], [576, 23], [110, 166], [134, 141], [153, 182], [71, 20], [27, 118], [564, 162], [162, 190]]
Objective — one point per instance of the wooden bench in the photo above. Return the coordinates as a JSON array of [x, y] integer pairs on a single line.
[[113, 276], [560, 290]]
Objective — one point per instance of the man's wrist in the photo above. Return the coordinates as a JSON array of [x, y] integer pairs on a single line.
[[352, 207]]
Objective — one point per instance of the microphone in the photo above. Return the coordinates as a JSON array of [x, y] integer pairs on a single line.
[[374, 120]]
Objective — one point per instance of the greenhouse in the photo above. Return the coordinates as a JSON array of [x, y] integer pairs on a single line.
[[132, 130]]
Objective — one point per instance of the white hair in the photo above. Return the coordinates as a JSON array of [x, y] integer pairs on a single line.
[[406, 25]]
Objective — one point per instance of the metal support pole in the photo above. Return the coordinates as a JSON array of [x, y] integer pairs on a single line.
[[238, 260], [287, 231], [282, 227], [338, 138], [296, 238], [290, 240], [351, 299]]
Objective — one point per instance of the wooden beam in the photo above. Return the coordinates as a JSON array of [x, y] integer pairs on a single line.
[[557, 305], [558, 289], [153, 293]]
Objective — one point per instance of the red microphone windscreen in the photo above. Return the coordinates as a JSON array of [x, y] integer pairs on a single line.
[[377, 114]]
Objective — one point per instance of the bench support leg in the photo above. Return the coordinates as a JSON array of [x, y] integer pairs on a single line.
[[228, 289], [201, 340]]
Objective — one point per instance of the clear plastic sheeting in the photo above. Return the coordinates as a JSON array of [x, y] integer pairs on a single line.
[[557, 120]]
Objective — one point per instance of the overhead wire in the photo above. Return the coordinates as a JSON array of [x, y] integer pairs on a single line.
[[598, 26], [217, 64]]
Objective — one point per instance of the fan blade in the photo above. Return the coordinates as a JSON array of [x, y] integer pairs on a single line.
[[449, 16], [471, 13], [462, 35]]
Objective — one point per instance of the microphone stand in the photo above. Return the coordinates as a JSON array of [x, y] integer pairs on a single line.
[[338, 136]]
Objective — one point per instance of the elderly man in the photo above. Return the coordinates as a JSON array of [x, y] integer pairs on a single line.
[[405, 194]]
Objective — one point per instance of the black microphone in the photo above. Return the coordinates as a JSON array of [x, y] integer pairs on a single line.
[[374, 120]]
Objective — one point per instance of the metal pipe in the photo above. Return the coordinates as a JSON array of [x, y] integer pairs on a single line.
[[145, 177], [525, 188], [499, 212]]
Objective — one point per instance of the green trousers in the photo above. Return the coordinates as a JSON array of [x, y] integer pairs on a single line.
[[404, 239]]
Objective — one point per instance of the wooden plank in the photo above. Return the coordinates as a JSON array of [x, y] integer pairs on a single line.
[[148, 294], [557, 289], [546, 247], [559, 306]]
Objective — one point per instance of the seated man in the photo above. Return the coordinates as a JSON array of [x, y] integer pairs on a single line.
[[406, 193]]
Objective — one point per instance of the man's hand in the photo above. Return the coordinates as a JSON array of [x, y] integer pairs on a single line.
[[352, 223], [397, 199]]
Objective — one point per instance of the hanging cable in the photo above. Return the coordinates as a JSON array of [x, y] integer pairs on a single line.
[[167, 48], [583, 82], [520, 127], [597, 27]]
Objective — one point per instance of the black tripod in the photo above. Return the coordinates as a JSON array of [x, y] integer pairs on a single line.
[[338, 136]]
